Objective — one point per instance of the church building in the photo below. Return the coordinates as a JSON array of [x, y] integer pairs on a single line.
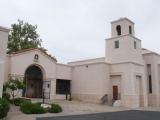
[[127, 73]]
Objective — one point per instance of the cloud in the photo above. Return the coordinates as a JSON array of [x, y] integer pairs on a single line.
[[76, 29]]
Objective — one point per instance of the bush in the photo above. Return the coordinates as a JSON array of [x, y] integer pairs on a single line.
[[31, 108], [37, 109], [38, 103], [55, 108], [4, 107], [18, 101], [6, 96], [25, 107]]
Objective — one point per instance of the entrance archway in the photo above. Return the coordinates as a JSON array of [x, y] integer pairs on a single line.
[[34, 82]]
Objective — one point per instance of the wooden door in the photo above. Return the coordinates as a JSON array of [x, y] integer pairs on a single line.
[[115, 92], [30, 89]]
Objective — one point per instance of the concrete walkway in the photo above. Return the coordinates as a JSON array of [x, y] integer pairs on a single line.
[[69, 108]]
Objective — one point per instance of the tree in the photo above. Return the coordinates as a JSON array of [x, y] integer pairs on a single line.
[[15, 85], [23, 36]]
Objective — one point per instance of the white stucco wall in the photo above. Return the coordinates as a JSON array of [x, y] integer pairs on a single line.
[[64, 72], [7, 68], [154, 60], [87, 61], [1, 76], [90, 82], [3, 47], [21, 61], [128, 72], [125, 52]]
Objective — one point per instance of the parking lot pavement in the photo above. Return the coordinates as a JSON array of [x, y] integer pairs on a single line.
[[121, 115]]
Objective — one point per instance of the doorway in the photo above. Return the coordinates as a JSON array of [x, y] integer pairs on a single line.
[[115, 92], [34, 82], [139, 89]]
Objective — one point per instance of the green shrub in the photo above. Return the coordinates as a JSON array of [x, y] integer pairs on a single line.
[[6, 96], [55, 108], [25, 107], [38, 103], [31, 108], [37, 109], [4, 107], [18, 101]]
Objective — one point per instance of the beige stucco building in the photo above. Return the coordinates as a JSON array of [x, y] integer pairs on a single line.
[[127, 73], [3, 46]]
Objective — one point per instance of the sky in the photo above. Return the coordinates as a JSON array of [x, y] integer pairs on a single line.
[[76, 29]]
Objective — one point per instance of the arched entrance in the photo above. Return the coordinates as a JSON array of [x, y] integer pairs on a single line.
[[34, 82]]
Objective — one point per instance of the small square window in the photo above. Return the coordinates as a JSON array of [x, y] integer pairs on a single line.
[[135, 45], [116, 44], [48, 85], [36, 57]]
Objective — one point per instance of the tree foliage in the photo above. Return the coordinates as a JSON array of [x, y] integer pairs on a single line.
[[23, 36], [14, 85]]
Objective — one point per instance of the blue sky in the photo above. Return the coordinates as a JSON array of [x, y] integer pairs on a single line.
[[76, 29]]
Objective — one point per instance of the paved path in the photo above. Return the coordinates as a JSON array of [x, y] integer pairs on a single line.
[[69, 108], [122, 115]]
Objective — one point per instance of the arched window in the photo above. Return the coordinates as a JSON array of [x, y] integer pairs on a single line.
[[130, 30], [118, 28]]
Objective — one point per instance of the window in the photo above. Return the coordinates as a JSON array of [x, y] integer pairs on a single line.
[[48, 85], [135, 44], [149, 78], [62, 86], [36, 57], [150, 83], [130, 30], [118, 28], [116, 44]]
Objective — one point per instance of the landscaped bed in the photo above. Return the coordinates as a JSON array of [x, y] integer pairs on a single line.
[[27, 107], [11, 90], [4, 108]]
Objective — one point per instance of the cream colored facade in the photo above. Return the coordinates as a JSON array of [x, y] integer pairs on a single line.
[[3, 45], [127, 73]]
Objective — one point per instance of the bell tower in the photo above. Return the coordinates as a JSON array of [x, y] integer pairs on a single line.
[[3, 47], [122, 26], [123, 46]]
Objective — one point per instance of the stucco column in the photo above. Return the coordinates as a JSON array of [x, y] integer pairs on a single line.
[[53, 89], [156, 84], [1, 77], [145, 92], [3, 46]]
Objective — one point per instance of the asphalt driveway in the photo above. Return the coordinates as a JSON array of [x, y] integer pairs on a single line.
[[122, 115]]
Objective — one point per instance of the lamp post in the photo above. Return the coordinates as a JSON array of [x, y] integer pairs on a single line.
[[43, 95]]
